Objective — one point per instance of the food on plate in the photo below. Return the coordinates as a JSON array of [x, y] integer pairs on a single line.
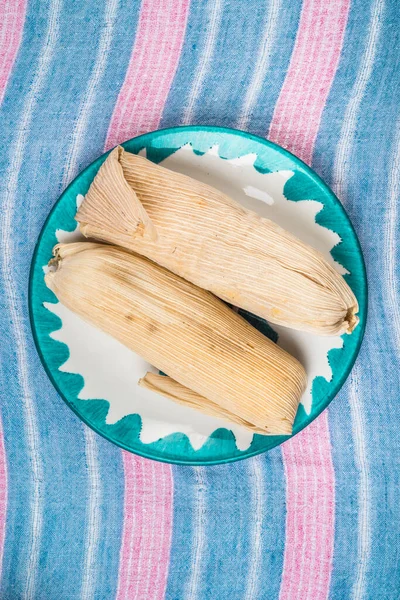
[[180, 394], [207, 238], [184, 331]]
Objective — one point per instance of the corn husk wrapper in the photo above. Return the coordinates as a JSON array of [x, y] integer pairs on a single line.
[[204, 236], [183, 331], [164, 385]]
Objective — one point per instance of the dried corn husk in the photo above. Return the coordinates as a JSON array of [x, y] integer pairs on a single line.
[[204, 236], [182, 330], [180, 394]]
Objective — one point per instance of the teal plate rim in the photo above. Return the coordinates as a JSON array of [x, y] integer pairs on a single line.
[[357, 280]]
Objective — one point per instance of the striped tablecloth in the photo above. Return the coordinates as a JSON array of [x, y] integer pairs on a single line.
[[317, 518]]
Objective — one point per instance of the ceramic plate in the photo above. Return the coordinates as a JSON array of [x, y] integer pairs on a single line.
[[97, 376]]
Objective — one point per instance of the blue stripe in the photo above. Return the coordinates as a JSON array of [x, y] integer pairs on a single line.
[[281, 52], [192, 52], [229, 528], [111, 475], [365, 197], [272, 526], [230, 69], [61, 443], [225, 527], [111, 82], [182, 532], [379, 363], [346, 508]]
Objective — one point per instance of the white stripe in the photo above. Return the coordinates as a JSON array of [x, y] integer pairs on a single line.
[[262, 64], [390, 253], [350, 119], [360, 455], [32, 434], [199, 536], [93, 514], [257, 489], [215, 20], [79, 132]]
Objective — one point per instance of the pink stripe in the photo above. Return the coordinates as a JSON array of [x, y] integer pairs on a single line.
[[3, 494], [310, 476], [12, 18], [154, 60], [146, 540], [312, 69], [310, 499]]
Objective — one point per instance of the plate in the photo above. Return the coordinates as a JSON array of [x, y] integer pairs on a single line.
[[97, 376]]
